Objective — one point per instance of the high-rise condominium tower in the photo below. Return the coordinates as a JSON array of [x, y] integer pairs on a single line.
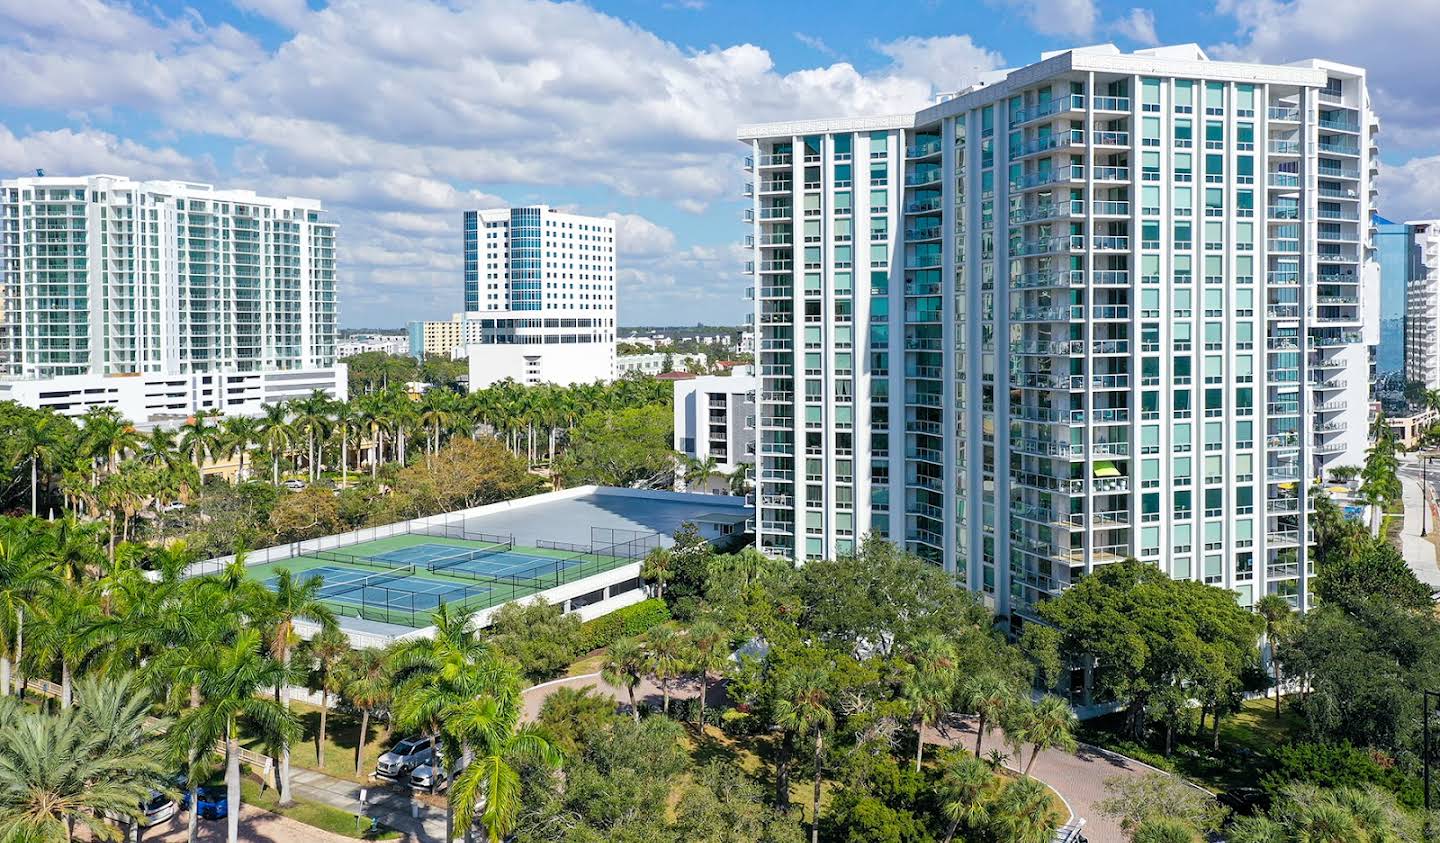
[[163, 298], [1409, 258], [1105, 305], [539, 296]]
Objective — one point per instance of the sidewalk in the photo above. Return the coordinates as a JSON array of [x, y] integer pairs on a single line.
[[1419, 552], [391, 805]]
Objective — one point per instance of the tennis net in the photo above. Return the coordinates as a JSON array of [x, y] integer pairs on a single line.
[[368, 582], [471, 555], [362, 561]]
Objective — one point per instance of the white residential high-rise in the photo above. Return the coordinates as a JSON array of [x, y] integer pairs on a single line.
[[541, 285], [163, 298], [1418, 262], [1105, 305]]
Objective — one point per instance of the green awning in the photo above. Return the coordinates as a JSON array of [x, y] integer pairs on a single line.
[[1106, 468]]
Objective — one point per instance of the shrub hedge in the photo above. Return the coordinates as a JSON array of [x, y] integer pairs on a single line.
[[631, 620]]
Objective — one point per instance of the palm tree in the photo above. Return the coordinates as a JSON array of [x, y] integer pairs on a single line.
[[625, 662], [1048, 724], [230, 680], [1276, 612], [373, 417], [709, 646], [291, 600], [929, 686], [239, 435], [485, 724], [658, 567], [439, 675], [964, 783], [326, 651], [1024, 813], [988, 696], [312, 415], [37, 443], [276, 434], [64, 631], [25, 575], [367, 684], [697, 473], [99, 759], [347, 423], [106, 436], [436, 412], [200, 438], [665, 659], [804, 708]]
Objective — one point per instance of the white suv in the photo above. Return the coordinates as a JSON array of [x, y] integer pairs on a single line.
[[404, 757]]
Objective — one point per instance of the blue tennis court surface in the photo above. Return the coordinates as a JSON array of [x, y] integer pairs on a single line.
[[368, 589], [498, 563]]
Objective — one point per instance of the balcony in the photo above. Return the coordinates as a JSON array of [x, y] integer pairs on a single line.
[[1073, 102], [1110, 138], [781, 159], [1111, 103], [923, 149]]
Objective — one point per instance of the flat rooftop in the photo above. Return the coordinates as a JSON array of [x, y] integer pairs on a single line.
[[573, 519]]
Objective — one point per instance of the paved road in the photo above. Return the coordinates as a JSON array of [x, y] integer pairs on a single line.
[[1419, 552]]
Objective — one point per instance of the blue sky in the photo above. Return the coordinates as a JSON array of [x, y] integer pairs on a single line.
[[398, 114]]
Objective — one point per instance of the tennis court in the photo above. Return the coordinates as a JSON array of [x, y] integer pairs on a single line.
[[399, 589], [403, 579]]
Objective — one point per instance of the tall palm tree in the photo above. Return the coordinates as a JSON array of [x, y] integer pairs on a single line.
[[291, 600], [987, 696], [367, 685], [276, 434], [326, 651], [665, 659], [437, 409], [107, 436], [201, 438], [625, 662], [1276, 612], [1048, 724], [926, 693], [487, 724], [230, 680], [37, 443], [64, 632], [238, 435], [804, 708], [312, 417], [436, 677], [347, 424], [711, 653], [26, 574], [99, 759]]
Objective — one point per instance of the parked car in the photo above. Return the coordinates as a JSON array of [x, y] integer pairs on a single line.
[[404, 757], [157, 809], [173, 506], [294, 485], [429, 776], [212, 800]]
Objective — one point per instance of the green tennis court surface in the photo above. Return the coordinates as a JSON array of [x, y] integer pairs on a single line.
[[403, 579]]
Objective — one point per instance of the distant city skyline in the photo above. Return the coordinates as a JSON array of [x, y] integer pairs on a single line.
[[397, 137]]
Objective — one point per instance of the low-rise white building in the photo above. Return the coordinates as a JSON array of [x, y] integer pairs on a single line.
[[360, 344], [715, 417], [654, 364]]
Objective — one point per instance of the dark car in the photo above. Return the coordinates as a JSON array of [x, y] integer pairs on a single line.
[[214, 802], [1245, 801]]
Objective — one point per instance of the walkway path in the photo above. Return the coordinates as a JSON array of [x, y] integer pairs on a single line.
[[1419, 552], [390, 804]]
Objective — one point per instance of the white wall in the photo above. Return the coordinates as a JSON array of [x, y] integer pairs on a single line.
[[558, 363]]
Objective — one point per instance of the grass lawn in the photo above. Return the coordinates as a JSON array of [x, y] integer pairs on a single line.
[[588, 664], [315, 814], [1245, 738], [342, 731]]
